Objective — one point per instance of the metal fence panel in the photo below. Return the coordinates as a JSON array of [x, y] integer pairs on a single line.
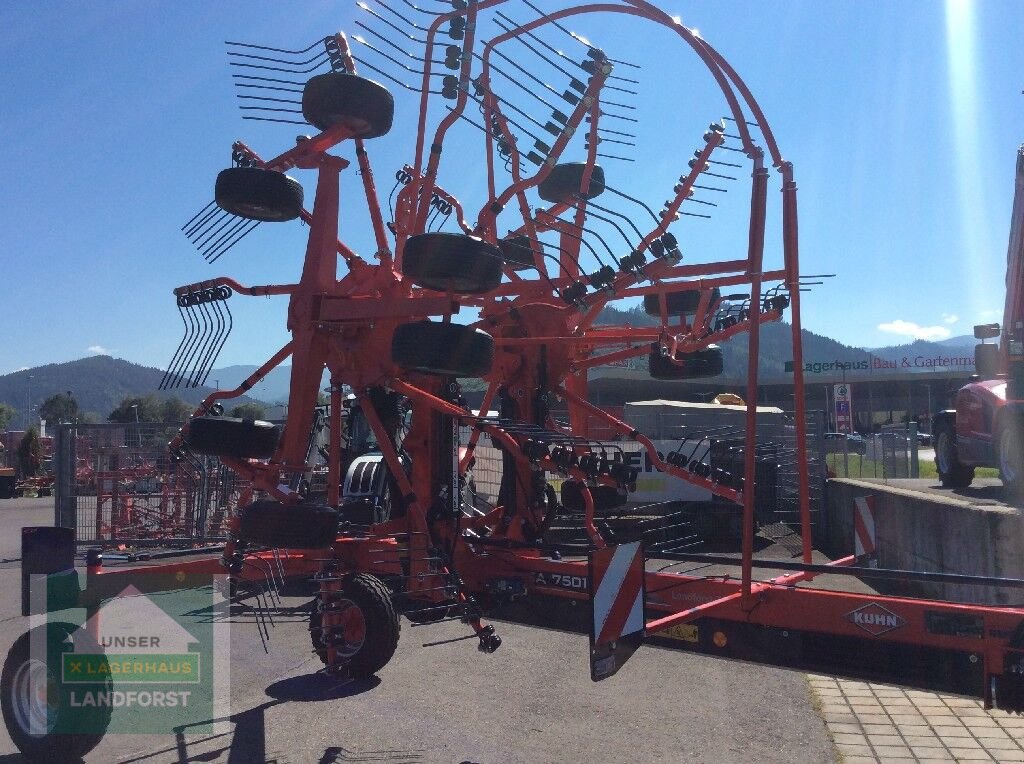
[[117, 483]]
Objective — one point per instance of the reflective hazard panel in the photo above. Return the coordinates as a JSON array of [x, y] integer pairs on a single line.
[[617, 598]]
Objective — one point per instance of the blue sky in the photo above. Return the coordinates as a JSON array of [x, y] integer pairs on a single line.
[[902, 121]]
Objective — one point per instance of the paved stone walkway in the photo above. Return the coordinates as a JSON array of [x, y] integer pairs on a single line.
[[879, 723]]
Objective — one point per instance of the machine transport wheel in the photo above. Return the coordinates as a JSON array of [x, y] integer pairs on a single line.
[[606, 497], [364, 106], [37, 704], [1010, 454], [452, 262], [517, 252], [366, 632], [700, 363], [952, 472], [445, 349], [679, 303], [257, 194], [289, 526], [228, 436], [563, 182]]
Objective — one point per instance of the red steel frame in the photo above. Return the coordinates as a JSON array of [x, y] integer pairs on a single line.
[[346, 325]]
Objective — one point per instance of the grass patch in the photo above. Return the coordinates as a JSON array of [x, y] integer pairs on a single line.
[[861, 466]]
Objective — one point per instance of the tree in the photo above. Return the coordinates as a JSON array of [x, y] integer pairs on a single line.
[[175, 411], [132, 409], [7, 413], [248, 411], [30, 453], [58, 408]]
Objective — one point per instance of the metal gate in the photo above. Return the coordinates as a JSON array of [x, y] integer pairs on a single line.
[[117, 484]]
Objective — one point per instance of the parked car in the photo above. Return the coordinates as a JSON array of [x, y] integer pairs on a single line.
[[838, 442]]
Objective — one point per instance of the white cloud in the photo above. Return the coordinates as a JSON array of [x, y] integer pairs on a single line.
[[910, 329], [950, 318], [98, 350]]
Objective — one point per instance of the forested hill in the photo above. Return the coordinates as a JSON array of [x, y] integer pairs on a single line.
[[98, 384], [775, 344]]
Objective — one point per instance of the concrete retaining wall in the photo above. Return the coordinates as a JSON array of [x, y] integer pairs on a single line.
[[928, 532]]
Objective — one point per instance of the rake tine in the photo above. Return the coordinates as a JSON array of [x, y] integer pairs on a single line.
[[191, 332], [266, 98], [201, 224], [275, 68], [271, 119], [228, 326], [267, 108], [197, 355], [167, 377], [230, 226], [389, 76], [211, 228], [204, 209], [265, 79], [204, 363], [280, 564], [211, 258], [389, 41], [262, 87], [253, 56], [275, 50]]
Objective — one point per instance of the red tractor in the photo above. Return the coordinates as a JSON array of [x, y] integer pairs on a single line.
[[984, 430]]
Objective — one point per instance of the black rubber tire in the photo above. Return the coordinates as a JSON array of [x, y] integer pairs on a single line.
[[517, 252], [450, 350], [289, 526], [452, 262], [1010, 454], [696, 365], [679, 303], [606, 497], [228, 436], [257, 194], [562, 184], [365, 106], [77, 730], [373, 599], [952, 472], [422, 611]]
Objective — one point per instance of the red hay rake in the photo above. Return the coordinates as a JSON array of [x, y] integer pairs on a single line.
[[534, 252]]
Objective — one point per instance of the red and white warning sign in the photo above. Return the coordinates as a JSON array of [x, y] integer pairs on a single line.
[[864, 526], [617, 594]]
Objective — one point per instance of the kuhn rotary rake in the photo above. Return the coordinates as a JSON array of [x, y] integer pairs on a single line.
[[534, 248], [532, 242]]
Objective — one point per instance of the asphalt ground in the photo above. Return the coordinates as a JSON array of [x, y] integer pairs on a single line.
[[532, 701]]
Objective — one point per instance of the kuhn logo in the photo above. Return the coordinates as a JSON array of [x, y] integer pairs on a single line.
[[875, 619]]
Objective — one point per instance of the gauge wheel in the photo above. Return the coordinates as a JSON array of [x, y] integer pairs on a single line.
[[452, 262], [707, 362], [562, 184], [1010, 455], [952, 472], [678, 303], [289, 526], [37, 703], [451, 350], [365, 628], [257, 194], [228, 436], [367, 108], [517, 252]]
